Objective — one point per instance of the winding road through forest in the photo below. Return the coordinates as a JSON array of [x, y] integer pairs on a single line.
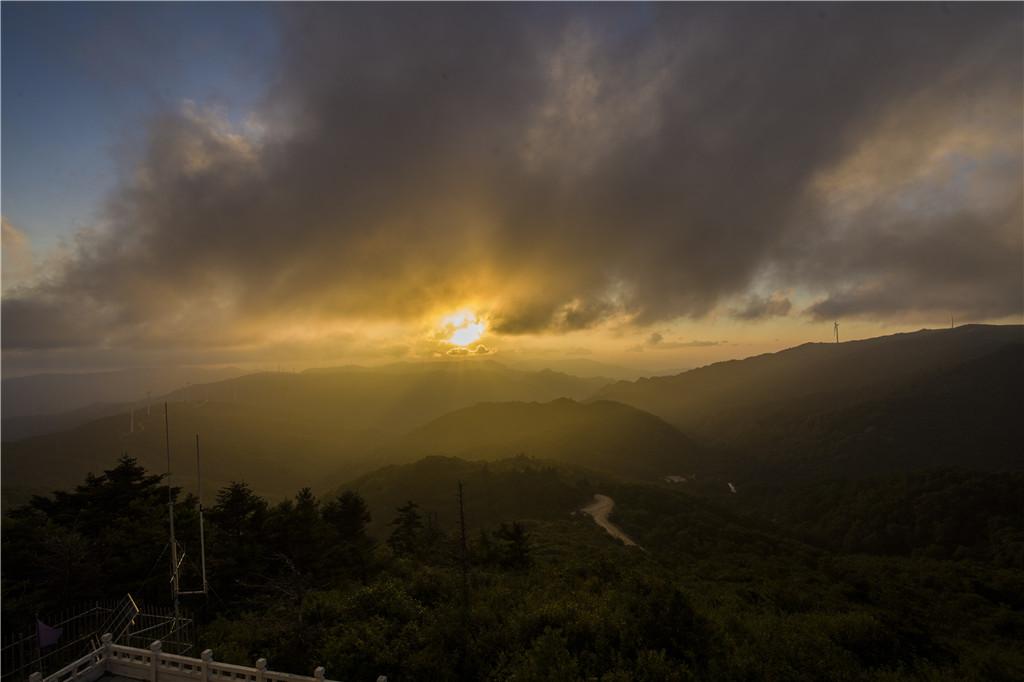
[[600, 509]]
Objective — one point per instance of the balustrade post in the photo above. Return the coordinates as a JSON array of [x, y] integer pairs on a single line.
[[108, 645], [154, 661], [261, 669], [207, 658]]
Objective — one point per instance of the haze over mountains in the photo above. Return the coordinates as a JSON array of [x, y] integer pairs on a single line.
[[42, 394], [394, 397], [600, 435], [897, 403]]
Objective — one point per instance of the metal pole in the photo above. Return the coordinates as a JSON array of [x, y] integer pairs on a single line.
[[465, 549], [202, 537], [463, 655], [170, 510]]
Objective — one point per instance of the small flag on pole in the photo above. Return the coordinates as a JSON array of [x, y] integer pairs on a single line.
[[47, 636]]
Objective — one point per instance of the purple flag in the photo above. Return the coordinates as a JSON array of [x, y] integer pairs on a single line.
[[47, 636]]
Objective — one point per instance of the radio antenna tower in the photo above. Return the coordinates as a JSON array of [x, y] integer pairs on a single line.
[[202, 536], [176, 562], [170, 511], [836, 326]]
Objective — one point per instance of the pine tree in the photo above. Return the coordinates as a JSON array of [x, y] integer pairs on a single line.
[[405, 538]]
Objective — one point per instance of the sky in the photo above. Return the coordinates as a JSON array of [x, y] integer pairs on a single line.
[[656, 186]]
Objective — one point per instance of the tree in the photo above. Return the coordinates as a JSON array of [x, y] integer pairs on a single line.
[[237, 521], [298, 533], [350, 548], [514, 545], [405, 538], [348, 515], [239, 512]]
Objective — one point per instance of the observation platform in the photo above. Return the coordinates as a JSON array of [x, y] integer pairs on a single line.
[[119, 663]]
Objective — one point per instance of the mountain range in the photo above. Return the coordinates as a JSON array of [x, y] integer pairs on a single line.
[[905, 402]]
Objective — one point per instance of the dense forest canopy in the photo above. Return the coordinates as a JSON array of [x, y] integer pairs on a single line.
[[371, 582]]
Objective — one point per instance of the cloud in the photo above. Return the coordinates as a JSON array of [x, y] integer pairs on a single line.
[[566, 166], [18, 264], [759, 307], [479, 349], [656, 341]]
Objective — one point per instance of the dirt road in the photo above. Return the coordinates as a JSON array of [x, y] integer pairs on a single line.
[[599, 510]]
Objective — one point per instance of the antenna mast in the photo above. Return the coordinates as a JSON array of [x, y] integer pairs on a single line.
[[464, 549], [202, 536], [170, 511]]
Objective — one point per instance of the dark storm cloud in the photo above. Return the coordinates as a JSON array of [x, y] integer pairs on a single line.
[[760, 307], [568, 163]]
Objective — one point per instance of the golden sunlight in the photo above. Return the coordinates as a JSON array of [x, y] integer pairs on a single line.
[[465, 327]]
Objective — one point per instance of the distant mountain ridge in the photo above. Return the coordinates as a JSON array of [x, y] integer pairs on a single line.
[[42, 394], [899, 403], [278, 431], [276, 454], [603, 435], [393, 397], [895, 403], [724, 392]]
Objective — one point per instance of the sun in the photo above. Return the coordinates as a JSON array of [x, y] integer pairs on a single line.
[[464, 327]]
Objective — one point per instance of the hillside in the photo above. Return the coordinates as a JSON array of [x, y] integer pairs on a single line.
[[396, 397], [945, 513], [883, 403], [26, 426], [278, 431], [514, 488], [273, 453], [602, 435], [805, 373], [967, 416]]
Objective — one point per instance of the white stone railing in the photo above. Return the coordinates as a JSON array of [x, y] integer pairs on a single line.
[[155, 666]]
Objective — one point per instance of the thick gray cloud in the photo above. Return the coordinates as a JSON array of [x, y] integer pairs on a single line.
[[760, 307], [566, 165]]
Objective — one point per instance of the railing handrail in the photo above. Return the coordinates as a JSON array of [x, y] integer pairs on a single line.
[[93, 657], [158, 664]]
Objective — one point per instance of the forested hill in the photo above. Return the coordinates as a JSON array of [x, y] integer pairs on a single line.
[[602, 435], [838, 373], [276, 452], [513, 488], [968, 417], [278, 430], [896, 403]]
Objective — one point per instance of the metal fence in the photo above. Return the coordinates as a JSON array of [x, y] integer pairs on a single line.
[[21, 655]]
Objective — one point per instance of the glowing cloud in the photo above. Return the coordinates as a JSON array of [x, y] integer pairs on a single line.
[[464, 327]]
